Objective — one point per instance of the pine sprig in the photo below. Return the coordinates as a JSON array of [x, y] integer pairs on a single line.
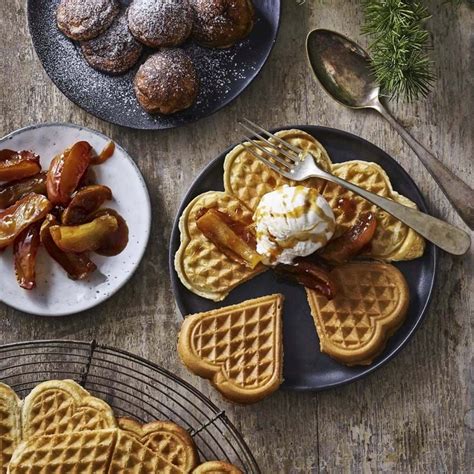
[[399, 44]]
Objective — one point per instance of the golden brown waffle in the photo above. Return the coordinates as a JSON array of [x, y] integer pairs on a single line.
[[370, 305], [10, 425], [131, 456], [84, 452], [200, 265], [249, 179], [392, 240], [171, 443], [61, 406], [112, 451], [217, 467], [238, 348]]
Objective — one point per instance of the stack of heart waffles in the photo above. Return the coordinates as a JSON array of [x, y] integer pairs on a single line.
[[60, 428], [371, 298], [249, 179], [206, 271]]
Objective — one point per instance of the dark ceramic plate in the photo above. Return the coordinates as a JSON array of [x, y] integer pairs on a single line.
[[224, 74], [305, 367]]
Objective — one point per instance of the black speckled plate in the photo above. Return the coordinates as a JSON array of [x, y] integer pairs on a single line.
[[305, 367], [223, 74]]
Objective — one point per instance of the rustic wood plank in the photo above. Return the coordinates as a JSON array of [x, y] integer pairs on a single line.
[[414, 415]]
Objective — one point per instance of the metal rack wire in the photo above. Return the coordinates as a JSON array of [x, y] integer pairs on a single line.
[[132, 386]]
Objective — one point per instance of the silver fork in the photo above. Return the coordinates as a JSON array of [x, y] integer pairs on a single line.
[[292, 163]]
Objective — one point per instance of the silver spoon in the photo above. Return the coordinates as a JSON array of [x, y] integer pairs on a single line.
[[343, 69]]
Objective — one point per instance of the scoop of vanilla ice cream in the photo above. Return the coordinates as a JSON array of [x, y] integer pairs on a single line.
[[292, 221]]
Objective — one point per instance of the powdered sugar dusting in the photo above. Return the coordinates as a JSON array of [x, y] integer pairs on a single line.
[[168, 70], [116, 48], [218, 70], [223, 74], [84, 9], [81, 17], [221, 22], [160, 22]]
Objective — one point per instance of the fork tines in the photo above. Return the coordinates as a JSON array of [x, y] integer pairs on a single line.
[[284, 154]]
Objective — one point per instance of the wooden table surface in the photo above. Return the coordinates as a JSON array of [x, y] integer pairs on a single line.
[[413, 415]]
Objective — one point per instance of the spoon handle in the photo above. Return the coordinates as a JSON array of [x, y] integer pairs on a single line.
[[449, 238], [456, 190]]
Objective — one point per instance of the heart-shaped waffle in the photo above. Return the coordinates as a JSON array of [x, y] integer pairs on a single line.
[[217, 467], [249, 179], [370, 305], [239, 348], [171, 443], [10, 425], [200, 265], [61, 406]]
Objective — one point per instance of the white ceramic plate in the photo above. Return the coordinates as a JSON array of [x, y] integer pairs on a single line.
[[55, 294]]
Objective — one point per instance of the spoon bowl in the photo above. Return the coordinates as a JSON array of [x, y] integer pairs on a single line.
[[343, 68]]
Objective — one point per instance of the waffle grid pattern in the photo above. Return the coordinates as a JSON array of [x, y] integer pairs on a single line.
[[371, 303], [204, 266], [55, 412], [249, 179], [390, 233], [8, 433], [242, 342], [169, 446], [132, 456], [360, 174], [347, 321], [170, 442], [86, 452]]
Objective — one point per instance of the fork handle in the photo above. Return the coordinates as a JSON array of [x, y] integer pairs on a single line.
[[446, 236]]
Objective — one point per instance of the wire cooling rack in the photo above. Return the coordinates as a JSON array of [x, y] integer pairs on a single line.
[[132, 386]]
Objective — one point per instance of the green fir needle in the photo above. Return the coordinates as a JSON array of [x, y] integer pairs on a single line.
[[399, 44]]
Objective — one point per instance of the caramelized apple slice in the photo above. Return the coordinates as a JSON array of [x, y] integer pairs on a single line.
[[85, 237], [84, 202], [10, 193], [115, 242], [231, 237], [308, 274], [15, 219], [66, 171], [104, 155], [25, 249], [77, 266], [16, 165], [351, 243]]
